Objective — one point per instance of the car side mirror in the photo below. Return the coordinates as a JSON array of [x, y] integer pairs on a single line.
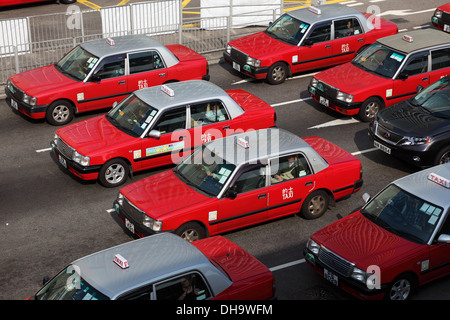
[[154, 134], [231, 194], [366, 197], [45, 280], [95, 78], [402, 76], [308, 42], [444, 238]]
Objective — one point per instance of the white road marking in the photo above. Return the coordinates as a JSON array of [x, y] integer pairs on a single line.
[[364, 151], [337, 122], [290, 102], [287, 265], [287, 79], [44, 150], [405, 12]]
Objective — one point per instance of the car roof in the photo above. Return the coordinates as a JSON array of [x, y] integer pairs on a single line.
[[421, 39], [262, 145], [130, 43], [327, 12], [420, 185], [188, 92], [149, 259]]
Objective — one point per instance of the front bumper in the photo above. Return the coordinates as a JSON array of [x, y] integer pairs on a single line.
[[256, 73], [440, 23], [134, 226], [348, 285], [334, 104], [85, 173], [34, 112], [418, 155]]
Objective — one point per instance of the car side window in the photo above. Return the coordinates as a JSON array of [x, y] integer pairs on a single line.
[[250, 178], [440, 59], [187, 287], [207, 113], [171, 121], [111, 67], [145, 61], [320, 33], [416, 64], [289, 167], [346, 28]]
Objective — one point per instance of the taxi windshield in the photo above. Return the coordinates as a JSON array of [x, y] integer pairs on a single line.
[[132, 115], [287, 29], [380, 60], [77, 63], [435, 98], [403, 214], [69, 285], [205, 170]]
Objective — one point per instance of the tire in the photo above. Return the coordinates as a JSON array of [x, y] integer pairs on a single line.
[[113, 173], [277, 73], [315, 205], [59, 113], [370, 108], [401, 288], [67, 1], [443, 156], [191, 231]]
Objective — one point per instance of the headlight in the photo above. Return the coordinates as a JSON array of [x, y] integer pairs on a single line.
[[344, 97], [313, 246], [438, 14], [253, 62], [153, 224], [369, 279], [29, 100], [79, 158], [120, 199], [228, 49], [414, 141], [314, 82]]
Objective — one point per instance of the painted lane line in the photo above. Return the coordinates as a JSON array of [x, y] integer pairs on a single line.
[[290, 102], [44, 150], [404, 12], [287, 265], [337, 122], [364, 151], [287, 79]]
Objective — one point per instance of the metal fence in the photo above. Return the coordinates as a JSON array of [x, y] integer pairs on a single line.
[[35, 41]]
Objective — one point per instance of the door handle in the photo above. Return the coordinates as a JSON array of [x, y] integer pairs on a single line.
[[162, 75], [122, 82], [425, 79], [309, 183], [182, 138], [261, 196], [226, 127], [328, 46], [361, 39]]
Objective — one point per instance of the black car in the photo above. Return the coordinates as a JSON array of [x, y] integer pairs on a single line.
[[416, 130]]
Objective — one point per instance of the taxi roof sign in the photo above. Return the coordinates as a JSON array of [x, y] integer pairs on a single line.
[[110, 41], [439, 180], [121, 261], [242, 142], [408, 38], [167, 90], [314, 10]]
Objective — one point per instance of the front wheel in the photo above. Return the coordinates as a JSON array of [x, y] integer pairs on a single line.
[[113, 173], [443, 156], [401, 288], [191, 231], [370, 108], [59, 113], [277, 73], [315, 205]]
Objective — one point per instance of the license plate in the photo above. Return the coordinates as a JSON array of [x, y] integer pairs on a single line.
[[62, 161], [129, 225], [331, 277], [14, 104], [382, 147], [324, 101], [236, 66]]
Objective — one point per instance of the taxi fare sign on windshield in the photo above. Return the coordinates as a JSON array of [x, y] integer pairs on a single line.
[[440, 180]]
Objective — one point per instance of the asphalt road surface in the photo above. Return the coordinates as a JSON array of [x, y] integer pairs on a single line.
[[50, 218]]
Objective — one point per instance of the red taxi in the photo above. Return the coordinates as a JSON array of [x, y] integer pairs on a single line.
[[5, 3], [154, 127], [391, 70], [441, 17], [398, 241], [238, 181], [97, 73], [305, 39]]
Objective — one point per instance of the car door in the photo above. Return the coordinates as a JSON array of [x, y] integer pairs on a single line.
[[208, 121], [412, 77], [439, 262], [440, 64], [168, 148], [106, 85], [146, 69], [316, 49], [291, 179], [348, 38], [245, 201]]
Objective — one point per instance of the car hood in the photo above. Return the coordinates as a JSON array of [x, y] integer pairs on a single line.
[[162, 193], [349, 79], [93, 135], [360, 241], [259, 45], [409, 120], [38, 80]]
